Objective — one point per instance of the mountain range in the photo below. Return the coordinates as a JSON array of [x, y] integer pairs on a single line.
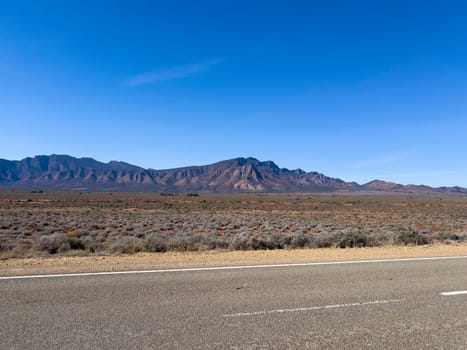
[[63, 172]]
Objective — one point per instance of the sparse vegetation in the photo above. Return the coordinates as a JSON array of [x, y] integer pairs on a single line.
[[43, 223]]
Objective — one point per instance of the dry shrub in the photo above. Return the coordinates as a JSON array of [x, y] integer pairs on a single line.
[[129, 245], [239, 241], [452, 236], [247, 241], [6, 245], [324, 240], [155, 243], [194, 242], [298, 240], [412, 237], [351, 239], [72, 243], [50, 243]]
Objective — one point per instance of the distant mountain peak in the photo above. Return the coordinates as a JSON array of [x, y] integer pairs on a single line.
[[64, 172]]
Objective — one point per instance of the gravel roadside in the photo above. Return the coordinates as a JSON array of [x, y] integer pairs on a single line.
[[147, 261]]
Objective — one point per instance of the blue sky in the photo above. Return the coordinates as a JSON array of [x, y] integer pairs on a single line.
[[354, 89]]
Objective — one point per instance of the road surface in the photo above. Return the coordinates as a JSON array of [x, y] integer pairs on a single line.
[[383, 305]]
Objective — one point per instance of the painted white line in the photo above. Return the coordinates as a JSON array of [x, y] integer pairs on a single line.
[[458, 292], [312, 308], [241, 267]]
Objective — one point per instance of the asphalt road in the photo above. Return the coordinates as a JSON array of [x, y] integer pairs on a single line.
[[390, 305]]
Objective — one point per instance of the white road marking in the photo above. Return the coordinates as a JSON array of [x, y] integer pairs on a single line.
[[458, 292], [312, 308], [241, 267]]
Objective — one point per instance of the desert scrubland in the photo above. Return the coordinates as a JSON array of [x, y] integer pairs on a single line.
[[38, 224]]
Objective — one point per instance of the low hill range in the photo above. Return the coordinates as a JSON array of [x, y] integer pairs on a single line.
[[63, 172]]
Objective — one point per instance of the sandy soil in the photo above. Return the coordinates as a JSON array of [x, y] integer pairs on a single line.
[[146, 261]]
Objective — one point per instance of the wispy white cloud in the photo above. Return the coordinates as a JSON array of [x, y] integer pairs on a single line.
[[172, 73], [379, 161]]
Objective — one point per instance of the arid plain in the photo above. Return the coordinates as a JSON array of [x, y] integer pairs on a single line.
[[88, 231]]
